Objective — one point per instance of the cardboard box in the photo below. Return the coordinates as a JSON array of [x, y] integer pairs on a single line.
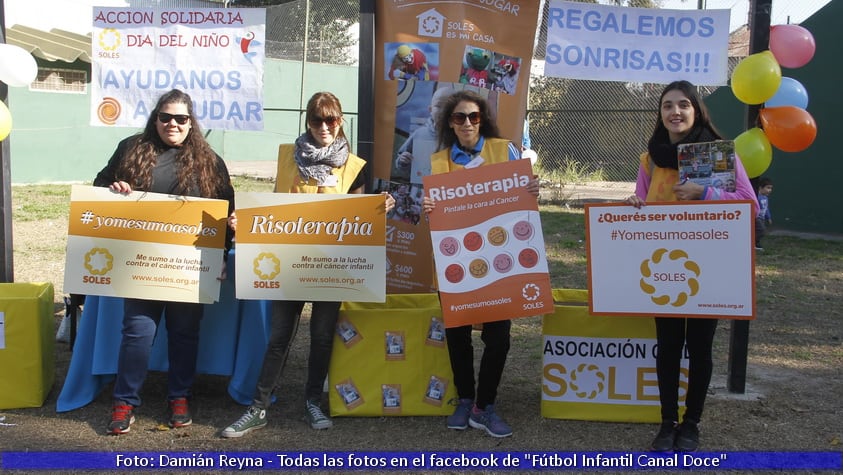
[[27, 330]]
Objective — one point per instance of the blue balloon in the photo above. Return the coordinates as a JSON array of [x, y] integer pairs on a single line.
[[790, 93]]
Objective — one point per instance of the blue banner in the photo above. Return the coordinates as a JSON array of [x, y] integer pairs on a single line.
[[421, 461]]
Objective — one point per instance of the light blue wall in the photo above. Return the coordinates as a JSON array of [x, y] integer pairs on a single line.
[[52, 141]]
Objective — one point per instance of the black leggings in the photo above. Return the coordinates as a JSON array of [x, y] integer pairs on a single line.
[[672, 334], [495, 336]]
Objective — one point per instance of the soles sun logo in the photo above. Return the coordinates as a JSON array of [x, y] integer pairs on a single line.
[[587, 381], [98, 261], [266, 266], [670, 277]]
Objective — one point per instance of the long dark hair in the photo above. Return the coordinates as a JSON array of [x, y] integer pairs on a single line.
[[197, 161], [662, 151], [446, 135]]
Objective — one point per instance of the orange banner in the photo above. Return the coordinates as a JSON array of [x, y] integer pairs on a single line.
[[488, 244], [424, 52]]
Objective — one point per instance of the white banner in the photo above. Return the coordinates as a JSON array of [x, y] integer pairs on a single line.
[[605, 43], [678, 259], [215, 55]]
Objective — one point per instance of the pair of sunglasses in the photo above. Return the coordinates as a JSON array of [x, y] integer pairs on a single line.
[[330, 121], [459, 118], [165, 118]]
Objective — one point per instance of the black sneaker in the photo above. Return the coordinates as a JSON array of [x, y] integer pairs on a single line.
[[689, 437], [180, 413], [666, 437], [122, 418]]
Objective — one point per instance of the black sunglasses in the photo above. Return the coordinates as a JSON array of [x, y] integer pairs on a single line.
[[459, 118], [165, 118], [330, 121]]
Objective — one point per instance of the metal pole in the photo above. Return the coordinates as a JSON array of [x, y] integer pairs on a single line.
[[304, 62], [366, 88], [759, 40], [6, 256]]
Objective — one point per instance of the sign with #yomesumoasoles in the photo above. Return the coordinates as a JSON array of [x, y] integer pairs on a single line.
[[144, 245], [672, 259], [488, 244]]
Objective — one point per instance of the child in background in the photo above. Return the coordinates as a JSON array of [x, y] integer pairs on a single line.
[[764, 218]]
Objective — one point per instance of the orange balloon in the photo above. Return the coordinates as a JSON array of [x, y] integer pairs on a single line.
[[789, 128]]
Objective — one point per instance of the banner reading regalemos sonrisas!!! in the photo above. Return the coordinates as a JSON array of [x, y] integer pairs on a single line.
[[423, 52]]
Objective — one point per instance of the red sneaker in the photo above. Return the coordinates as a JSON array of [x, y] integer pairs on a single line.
[[179, 413], [122, 418]]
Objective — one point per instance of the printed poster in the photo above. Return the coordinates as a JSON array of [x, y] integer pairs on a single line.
[[672, 259], [409, 268], [488, 244], [645, 45], [311, 246], [144, 245], [214, 54], [425, 51]]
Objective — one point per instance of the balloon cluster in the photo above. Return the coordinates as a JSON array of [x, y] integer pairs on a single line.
[[785, 124], [17, 69]]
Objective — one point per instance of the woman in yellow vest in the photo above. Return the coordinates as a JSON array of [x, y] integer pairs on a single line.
[[469, 137], [319, 162], [682, 118]]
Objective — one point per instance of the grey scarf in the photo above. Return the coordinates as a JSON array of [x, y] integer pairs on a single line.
[[317, 162]]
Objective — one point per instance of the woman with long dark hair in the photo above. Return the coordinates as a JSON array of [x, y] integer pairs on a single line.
[[682, 118], [170, 156]]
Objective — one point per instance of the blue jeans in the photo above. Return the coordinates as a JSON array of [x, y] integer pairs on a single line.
[[285, 324], [140, 323]]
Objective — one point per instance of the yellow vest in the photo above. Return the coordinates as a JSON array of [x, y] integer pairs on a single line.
[[494, 151], [288, 180], [661, 180]]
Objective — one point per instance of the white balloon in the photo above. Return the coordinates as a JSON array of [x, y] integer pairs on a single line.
[[17, 66]]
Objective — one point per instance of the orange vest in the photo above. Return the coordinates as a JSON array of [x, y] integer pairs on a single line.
[[661, 180], [494, 151]]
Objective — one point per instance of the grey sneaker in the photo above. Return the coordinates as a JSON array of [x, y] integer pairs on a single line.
[[315, 416], [491, 422], [459, 419], [253, 419]]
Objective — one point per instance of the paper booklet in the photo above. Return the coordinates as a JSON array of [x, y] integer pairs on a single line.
[[708, 163]]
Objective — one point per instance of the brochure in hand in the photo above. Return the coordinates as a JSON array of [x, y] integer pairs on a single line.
[[708, 163]]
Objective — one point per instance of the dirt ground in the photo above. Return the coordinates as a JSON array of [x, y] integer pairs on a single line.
[[792, 399]]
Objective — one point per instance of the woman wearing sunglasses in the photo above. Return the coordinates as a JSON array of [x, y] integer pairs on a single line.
[[469, 137], [170, 156], [320, 161]]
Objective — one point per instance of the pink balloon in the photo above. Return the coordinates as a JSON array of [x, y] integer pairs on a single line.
[[792, 45]]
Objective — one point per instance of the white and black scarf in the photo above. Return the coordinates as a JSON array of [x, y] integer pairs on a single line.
[[318, 162]]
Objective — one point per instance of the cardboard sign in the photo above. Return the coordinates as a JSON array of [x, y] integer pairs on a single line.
[[310, 246], [144, 245], [672, 259], [488, 244]]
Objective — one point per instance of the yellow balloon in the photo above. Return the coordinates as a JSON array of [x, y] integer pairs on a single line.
[[754, 149], [756, 78], [5, 121]]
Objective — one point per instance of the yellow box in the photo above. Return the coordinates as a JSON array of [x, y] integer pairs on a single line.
[[390, 359], [27, 336]]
